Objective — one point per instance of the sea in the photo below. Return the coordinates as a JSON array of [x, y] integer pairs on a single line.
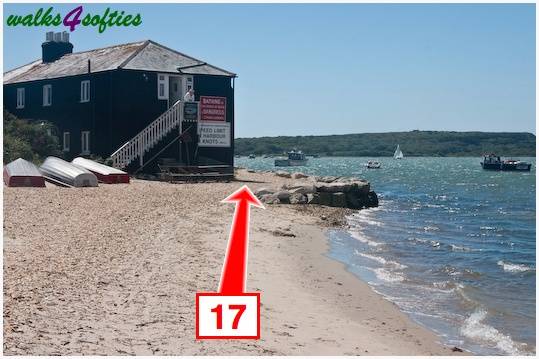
[[451, 244]]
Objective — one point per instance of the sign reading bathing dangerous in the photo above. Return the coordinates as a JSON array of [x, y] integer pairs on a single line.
[[212, 108], [214, 134]]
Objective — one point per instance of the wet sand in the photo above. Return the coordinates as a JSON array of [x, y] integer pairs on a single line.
[[114, 270]]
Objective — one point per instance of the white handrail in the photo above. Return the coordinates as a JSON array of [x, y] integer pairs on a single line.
[[148, 137]]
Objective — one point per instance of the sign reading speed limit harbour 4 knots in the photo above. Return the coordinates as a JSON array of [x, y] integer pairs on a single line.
[[214, 134]]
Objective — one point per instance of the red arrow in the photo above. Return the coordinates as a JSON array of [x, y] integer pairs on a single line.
[[233, 276]]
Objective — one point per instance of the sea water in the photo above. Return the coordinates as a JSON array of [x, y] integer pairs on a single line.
[[452, 245]]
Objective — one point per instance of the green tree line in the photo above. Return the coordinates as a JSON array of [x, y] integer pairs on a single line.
[[413, 143], [30, 140]]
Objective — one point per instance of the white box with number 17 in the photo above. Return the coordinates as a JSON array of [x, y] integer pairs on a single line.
[[221, 316]]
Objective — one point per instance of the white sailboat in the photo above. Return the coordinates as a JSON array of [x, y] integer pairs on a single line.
[[398, 153]]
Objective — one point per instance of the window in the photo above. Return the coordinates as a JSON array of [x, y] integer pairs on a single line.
[[85, 142], [20, 98], [67, 140], [47, 95], [189, 83], [162, 87], [85, 91]]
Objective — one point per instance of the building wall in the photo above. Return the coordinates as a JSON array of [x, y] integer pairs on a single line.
[[66, 111], [133, 105], [122, 103], [217, 86]]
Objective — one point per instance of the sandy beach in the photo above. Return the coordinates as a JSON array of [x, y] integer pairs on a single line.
[[114, 270]]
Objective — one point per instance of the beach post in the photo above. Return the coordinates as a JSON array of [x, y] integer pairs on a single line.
[[231, 313]]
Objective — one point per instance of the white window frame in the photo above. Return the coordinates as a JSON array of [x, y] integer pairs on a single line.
[[20, 97], [85, 142], [67, 141], [47, 95], [162, 79], [187, 84], [85, 91]]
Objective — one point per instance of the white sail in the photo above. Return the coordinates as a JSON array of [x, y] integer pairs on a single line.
[[398, 153]]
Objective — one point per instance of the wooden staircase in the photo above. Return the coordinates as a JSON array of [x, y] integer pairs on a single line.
[[146, 139]]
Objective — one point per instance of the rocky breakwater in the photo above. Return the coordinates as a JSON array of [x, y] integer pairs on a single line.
[[345, 192]]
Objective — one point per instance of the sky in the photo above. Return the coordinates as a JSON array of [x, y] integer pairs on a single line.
[[306, 69]]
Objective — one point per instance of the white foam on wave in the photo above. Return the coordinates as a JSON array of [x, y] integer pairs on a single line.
[[360, 237], [456, 248], [473, 328], [381, 260], [514, 268], [445, 286], [387, 276], [365, 218], [432, 243]]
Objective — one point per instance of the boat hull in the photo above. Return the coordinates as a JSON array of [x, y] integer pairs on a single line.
[[104, 173], [21, 173], [290, 163], [67, 173], [518, 167]]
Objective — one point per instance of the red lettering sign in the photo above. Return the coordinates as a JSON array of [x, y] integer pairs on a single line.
[[212, 108]]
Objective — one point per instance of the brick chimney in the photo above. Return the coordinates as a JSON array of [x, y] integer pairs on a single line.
[[55, 46]]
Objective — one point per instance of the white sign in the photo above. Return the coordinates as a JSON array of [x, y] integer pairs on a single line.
[[221, 316], [213, 134]]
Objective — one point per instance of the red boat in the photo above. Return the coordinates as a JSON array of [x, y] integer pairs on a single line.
[[104, 173], [21, 173]]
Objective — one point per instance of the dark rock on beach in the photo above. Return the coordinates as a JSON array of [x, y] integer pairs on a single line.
[[331, 191]]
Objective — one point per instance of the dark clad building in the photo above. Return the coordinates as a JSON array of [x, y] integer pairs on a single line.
[[124, 101]]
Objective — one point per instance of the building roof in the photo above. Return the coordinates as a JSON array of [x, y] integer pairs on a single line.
[[144, 55]]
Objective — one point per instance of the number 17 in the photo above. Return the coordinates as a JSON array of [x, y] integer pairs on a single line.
[[218, 310]]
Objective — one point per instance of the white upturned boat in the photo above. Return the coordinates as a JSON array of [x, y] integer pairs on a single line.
[[64, 172]]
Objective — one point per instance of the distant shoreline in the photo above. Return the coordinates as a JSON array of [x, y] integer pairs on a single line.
[[389, 157], [412, 144]]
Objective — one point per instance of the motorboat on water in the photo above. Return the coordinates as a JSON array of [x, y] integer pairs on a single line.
[[373, 165], [494, 162], [398, 155], [251, 156], [295, 158]]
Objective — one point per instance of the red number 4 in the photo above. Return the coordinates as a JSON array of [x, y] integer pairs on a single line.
[[218, 310]]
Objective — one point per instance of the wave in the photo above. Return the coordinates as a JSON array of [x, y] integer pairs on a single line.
[[364, 219], [432, 243], [474, 328], [514, 268], [456, 248], [387, 276], [446, 286], [381, 260], [363, 239]]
